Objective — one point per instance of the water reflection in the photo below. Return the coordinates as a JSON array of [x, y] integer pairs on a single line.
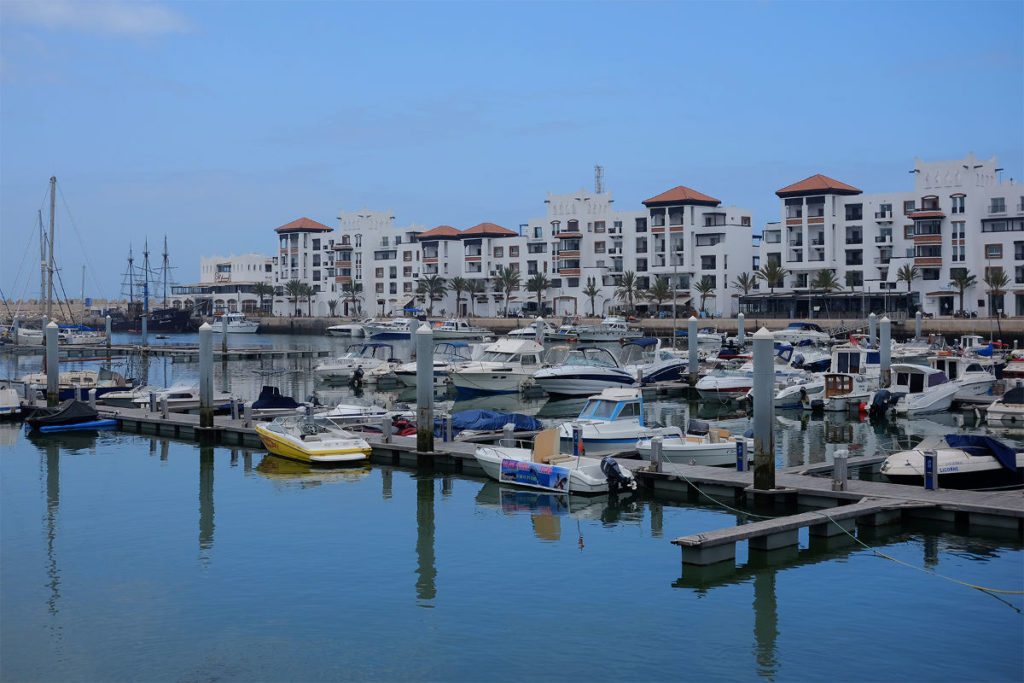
[[205, 502], [426, 572], [289, 474]]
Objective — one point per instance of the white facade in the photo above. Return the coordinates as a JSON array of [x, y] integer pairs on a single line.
[[958, 215], [226, 284]]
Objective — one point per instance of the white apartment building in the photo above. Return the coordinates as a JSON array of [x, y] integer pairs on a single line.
[[959, 215], [226, 285]]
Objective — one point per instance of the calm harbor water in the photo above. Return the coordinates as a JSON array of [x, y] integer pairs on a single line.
[[130, 557]]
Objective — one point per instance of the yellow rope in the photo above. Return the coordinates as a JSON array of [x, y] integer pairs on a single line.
[[862, 543]]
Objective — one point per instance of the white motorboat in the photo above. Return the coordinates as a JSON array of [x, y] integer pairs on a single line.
[[646, 359], [530, 331], [456, 328], [80, 336], [125, 398], [447, 357], [975, 376], [568, 329], [354, 329], [725, 384], [10, 402], [181, 398], [847, 391], [29, 337], [800, 393], [314, 440], [962, 461], [703, 445], [363, 357], [506, 366], [613, 421], [359, 413], [799, 332], [69, 382], [581, 372], [1007, 409], [612, 328], [545, 468], [707, 338], [396, 328], [237, 323], [914, 390], [812, 358]]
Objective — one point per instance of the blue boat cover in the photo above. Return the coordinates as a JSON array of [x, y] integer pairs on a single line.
[[487, 420], [642, 342], [985, 445], [271, 397], [92, 424], [987, 351]]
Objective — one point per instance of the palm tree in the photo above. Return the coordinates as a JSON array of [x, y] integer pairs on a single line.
[[745, 282], [331, 305], [293, 288], [537, 284], [351, 291], [660, 290], [505, 281], [704, 288], [475, 287], [997, 281], [826, 281], [773, 274], [851, 280], [908, 272], [962, 279], [458, 285], [591, 291], [263, 290], [628, 289], [432, 288], [308, 293]]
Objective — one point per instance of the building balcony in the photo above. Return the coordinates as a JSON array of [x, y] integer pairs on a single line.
[[883, 216], [569, 234], [923, 214], [570, 272], [796, 243], [798, 258], [816, 257], [928, 261], [854, 240], [882, 260], [883, 239], [474, 252]]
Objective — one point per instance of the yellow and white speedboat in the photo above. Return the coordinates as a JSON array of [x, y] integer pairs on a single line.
[[312, 439]]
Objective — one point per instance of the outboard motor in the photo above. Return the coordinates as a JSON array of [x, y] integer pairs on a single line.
[[356, 380], [617, 477], [881, 403], [817, 406]]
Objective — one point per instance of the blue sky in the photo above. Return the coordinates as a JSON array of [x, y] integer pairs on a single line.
[[215, 122]]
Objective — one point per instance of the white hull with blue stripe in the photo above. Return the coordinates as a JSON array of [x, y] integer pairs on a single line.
[[611, 422]]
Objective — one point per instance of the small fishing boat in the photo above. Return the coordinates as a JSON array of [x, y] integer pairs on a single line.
[[103, 381], [545, 468], [703, 445], [365, 357], [800, 393], [613, 421], [69, 415], [315, 440], [963, 461], [180, 398], [581, 372], [914, 390], [10, 402], [530, 332], [569, 329], [237, 323], [1007, 409]]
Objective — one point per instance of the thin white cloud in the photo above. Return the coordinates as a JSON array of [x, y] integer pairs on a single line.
[[115, 17]]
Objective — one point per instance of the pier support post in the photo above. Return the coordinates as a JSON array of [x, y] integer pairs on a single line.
[[224, 333], [205, 375], [764, 410], [872, 328], [52, 365], [385, 429], [152, 402], [145, 330], [234, 408], [424, 389], [92, 399], [163, 406], [691, 344], [107, 320], [78, 392], [508, 435], [931, 470], [839, 470], [657, 443], [740, 335], [538, 329], [884, 352], [917, 325], [577, 439], [247, 414]]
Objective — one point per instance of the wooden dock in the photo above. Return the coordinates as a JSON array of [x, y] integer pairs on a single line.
[[178, 353]]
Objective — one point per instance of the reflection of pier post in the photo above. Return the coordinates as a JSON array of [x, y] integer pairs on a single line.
[[52, 508], [657, 518], [766, 621], [205, 499], [447, 486], [386, 474], [425, 570]]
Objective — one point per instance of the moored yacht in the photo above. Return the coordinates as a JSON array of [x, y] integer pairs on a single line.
[[506, 366], [645, 359], [237, 323], [914, 390], [612, 328], [1008, 409], [799, 332], [975, 377], [613, 421], [353, 329], [447, 357], [456, 328], [702, 445], [581, 372], [396, 328], [364, 357], [962, 461]]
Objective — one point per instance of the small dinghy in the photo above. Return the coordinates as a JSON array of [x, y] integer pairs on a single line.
[[963, 461]]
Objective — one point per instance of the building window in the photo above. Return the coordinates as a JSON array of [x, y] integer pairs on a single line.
[[538, 232], [958, 230], [993, 251], [854, 212], [641, 265], [929, 227], [908, 206], [641, 225], [676, 215], [794, 208], [406, 286], [745, 221], [930, 273], [380, 287], [572, 282], [928, 251], [641, 245], [773, 236], [1018, 251], [393, 272], [531, 267], [379, 272], [854, 257], [707, 262], [1018, 277], [499, 252], [513, 252], [536, 248], [958, 203], [997, 205], [598, 247], [908, 232], [854, 235], [598, 226], [393, 288], [617, 224], [407, 271], [407, 256]]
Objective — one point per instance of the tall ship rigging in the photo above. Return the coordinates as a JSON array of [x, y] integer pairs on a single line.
[[137, 287]]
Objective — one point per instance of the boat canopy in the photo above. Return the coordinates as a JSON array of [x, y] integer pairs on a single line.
[[804, 326], [1014, 396], [984, 445], [271, 398], [488, 420], [642, 342]]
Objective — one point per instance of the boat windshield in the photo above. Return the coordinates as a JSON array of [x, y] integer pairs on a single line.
[[496, 357], [592, 357]]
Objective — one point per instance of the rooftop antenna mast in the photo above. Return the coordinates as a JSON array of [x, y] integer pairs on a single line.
[[599, 179]]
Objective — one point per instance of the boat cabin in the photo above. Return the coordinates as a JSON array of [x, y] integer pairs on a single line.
[[838, 384], [854, 360], [958, 366], [591, 356], [384, 352], [521, 351], [615, 404], [915, 379]]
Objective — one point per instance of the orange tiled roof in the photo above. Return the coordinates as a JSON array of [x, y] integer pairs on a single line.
[[439, 231], [817, 184], [489, 230], [682, 195], [303, 224]]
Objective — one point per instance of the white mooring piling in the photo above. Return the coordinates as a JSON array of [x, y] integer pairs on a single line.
[[205, 375], [691, 345], [538, 329], [840, 473], [884, 352], [424, 389], [92, 399], [657, 455], [107, 321], [764, 410], [872, 328], [740, 335], [52, 366], [917, 325]]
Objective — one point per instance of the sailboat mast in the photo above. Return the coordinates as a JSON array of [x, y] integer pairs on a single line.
[[166, 267], [42, 260], [83, 294], [145, 276], [49, 288], [131, 277]]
